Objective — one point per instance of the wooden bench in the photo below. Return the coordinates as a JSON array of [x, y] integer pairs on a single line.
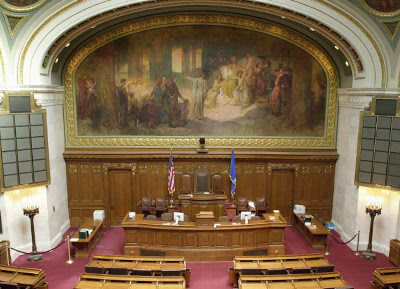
[[25, 277], [385, 277], [315, 236], [155, 264], [102, 281], [273, 262], [83, 247], [304, 281]]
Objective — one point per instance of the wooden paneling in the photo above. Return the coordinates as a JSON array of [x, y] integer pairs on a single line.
[[120, 191], [307, 175]]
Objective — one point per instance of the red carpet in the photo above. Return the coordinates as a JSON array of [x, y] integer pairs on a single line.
[[356, 271]]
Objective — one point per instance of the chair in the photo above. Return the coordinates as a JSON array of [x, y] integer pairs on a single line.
[[237, 218], [255, 218], [142, 272], [216, 184], [261, 206], [161, 206], [251, 271], [166, 217], [324, 268], [151, 218], [201, 182], [301, 270], [171, 272], [118, 270], [277, 271], [185, 218], [9, 285], [146, 206], [223, 219], [186, 184], [93, 269], [241, 205]]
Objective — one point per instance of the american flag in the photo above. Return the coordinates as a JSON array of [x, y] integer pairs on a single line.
[[171, 175]]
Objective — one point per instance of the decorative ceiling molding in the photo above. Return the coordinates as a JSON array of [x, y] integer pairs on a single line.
[[13, 22], [391, 27], [21, 8], [349, 51], [388, 14]]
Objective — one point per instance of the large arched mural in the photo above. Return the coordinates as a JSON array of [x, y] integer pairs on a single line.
[[234, 85]]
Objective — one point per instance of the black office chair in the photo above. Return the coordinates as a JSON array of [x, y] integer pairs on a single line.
[[277, 271], [251, 271], [301, 270], [94, 269], [118, 270], [142, 272], [324, 268], [9, 285], [171, 272]]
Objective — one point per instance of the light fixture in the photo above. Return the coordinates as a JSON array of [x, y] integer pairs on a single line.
[[56, 60], [67, 44], [347, 63], [312, 29], [337, 48]]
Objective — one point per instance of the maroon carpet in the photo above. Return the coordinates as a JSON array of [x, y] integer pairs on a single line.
[[356, 271]]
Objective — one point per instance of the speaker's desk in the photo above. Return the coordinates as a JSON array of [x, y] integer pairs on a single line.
[[203, 243], [192, 204]]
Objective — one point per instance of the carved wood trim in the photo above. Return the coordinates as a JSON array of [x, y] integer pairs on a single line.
[[131, 166], [283, 166]]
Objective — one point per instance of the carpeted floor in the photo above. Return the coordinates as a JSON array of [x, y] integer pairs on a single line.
[[356, 271]]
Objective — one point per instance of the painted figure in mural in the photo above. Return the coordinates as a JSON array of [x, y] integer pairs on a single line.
[[91, 99], [241, 92], [173, 93], [164, 101], [134, 110], [318, 89], [198, 87], [214, 91], [156, 97], [229, 72], [249, 65], [82, 96], [123, 102], [281, 94]]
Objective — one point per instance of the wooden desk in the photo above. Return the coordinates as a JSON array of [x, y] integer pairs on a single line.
[[83, 247], [384, 277], [219, 243], [155, 264], [272, 262], [192, 204], [304, 281], [103, 281], [5, 253], [315, 237], [35, 278]]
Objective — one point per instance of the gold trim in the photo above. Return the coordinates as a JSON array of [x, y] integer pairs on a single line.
[[108, 166], [283, 166], [379, 13], [23, 8], [394, 34], [35, 109], [373, 103], [3, 68], [184, 19], [12, 31], [366, 33]]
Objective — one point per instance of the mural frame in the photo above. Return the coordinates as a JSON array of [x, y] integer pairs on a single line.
[[328, 141], [21, 8]]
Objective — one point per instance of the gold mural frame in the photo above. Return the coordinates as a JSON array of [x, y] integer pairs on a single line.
[[378, 13], [328, 141], [21, 8]]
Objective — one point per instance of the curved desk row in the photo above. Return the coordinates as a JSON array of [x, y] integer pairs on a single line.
[[203, 243]]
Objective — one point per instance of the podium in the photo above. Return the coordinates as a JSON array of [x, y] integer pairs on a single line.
[[205, 219]]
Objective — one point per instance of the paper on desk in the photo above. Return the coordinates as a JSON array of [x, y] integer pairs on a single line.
[[74, 239]]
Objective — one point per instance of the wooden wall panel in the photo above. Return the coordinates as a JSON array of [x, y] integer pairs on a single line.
[[312, 172]]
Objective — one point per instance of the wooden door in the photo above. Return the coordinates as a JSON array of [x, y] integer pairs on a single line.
[[120, 188], [282, 192]]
